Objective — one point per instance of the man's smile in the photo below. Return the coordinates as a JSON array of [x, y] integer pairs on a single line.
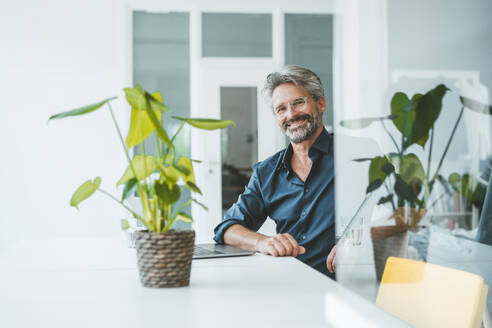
[[297, 123]]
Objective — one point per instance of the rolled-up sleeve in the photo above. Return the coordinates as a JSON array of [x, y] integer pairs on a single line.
[[249, 210]]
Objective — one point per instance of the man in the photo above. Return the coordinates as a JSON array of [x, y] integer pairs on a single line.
[[294, 187]]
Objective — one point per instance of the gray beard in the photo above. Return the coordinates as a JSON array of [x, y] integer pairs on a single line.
[[305, 132]]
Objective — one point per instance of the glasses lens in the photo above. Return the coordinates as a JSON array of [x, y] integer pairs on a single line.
[[298, 103]]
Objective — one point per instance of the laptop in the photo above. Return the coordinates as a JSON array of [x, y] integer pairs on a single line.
[[208, 251]]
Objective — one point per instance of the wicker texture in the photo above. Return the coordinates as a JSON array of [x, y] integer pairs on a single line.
[[164, 259]]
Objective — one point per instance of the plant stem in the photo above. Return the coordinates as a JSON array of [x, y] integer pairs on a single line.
[[389, 192], [434, 203], [449, 143], [178, 131], [157, 146], [430, 153], [168, 217], [139, 186], [428, 189], [126, 207], [393, 139]]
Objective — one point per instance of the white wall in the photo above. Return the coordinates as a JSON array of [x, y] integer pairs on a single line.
[[57, 55]]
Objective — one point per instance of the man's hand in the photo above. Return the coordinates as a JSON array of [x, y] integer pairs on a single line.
[[331, 262], [280, 245]]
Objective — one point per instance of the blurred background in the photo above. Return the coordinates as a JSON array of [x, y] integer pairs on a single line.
[[209, 59]]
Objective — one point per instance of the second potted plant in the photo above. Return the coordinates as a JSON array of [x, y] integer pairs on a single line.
[[408, 185]]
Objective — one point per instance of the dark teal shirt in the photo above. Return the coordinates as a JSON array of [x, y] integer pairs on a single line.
[[306, 210]]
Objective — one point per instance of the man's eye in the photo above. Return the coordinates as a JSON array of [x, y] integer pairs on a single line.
[[280, 109], [298, 102]]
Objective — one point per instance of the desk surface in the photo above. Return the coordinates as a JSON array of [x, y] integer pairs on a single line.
[[94, 283]]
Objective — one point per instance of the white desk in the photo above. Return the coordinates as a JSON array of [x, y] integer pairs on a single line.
[[94, 283]]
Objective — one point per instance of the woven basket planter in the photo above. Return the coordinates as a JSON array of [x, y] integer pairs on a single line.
[[164, 259]]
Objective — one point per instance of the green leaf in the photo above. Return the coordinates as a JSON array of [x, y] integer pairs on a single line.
[[387, 199], [124, 224], [184, 217], [476, 106], [376, 171], [158, 127], [403, 120], [454, 180], [135, 97], [207, 123], [143, 168], [156, 103], [186, 163], [182, 170], [200, 204], [374, 185], [170, 174], [193, 187], [414, 118], [427, 110], [403, 190], [84, 191], [478, 195], [82, 110], [361, 123], [411, 170], [388, 168], [129, 188], [141, 124], [169, 195]]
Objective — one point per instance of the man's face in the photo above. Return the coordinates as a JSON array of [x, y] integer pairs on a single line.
[[297, 113]]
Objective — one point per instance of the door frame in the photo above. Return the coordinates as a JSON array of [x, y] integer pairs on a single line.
[[207, 144]]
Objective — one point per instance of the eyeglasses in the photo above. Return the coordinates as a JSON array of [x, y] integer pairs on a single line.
[[296, 105]]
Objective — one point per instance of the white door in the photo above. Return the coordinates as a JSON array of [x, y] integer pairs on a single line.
[[216, 80]]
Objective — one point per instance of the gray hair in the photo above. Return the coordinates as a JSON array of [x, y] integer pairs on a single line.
[[297, 75]]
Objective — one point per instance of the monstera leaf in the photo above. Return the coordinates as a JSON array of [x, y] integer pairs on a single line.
[[85, 191], [141, 125], [206, 123], [411, 170], [169, 195], [82, 110], [404, 190], [415, 117], [379, 169], [142, 167]]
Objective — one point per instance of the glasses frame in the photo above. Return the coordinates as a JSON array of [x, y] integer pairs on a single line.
[[281, 108]]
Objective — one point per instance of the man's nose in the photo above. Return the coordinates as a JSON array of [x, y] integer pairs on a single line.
[[290, 112]]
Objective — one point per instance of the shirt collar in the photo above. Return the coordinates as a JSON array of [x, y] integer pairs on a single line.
[[323, 143]]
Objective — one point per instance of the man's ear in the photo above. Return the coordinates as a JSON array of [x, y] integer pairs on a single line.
[[322, 104]]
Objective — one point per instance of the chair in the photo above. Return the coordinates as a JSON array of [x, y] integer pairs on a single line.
[[429, 295]]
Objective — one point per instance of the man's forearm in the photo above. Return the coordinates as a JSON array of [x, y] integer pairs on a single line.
[[239, 236]]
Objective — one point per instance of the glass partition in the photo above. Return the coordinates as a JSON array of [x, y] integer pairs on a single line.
[[309, 43], [414, 156]]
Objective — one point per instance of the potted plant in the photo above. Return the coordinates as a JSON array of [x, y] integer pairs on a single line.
[[164, 254], [408, 184]]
